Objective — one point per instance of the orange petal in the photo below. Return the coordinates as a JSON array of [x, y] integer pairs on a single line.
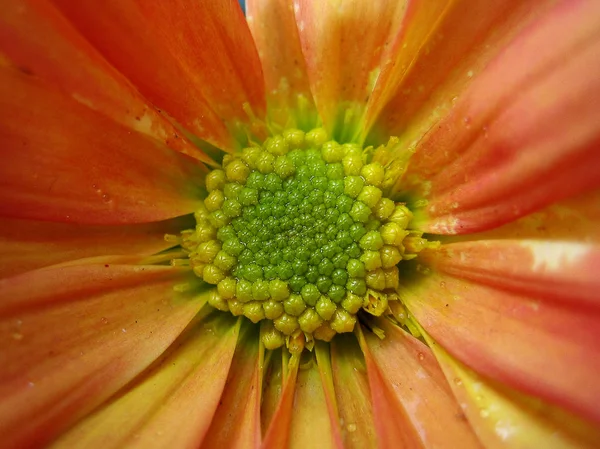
[[289, 100], [26, 245], [236, 423], [342, 43], [311, 419], [172, 403], [538, 346], [397, 432], [197, 61], [65, 162], [490, 144], [278, 431], [565, 271], [73, 336], [439, 50], [504, 418], [576, 219], [353, 397], [39, 40], [413, 376]]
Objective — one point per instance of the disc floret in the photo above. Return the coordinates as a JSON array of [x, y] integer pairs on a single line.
[[297, 233]]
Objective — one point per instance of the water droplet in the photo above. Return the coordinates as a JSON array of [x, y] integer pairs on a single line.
[[443, 284], [104, 320], [351, 428], [31, 384], [484, 413], [467, 121], [106, 198], [17, 336], [124, 330], [421, 356], [470, 73], [457, 381]]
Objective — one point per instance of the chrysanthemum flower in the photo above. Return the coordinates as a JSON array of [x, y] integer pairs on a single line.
[[329, 224]]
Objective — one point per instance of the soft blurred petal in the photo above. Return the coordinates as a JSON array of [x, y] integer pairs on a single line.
[[506, 155], [27, 244], [289, 100], [505, 419], [173, 402], [536, 345], [342, 42], [195, 60], [82, 167], [411, 371], [38, 39], [74, 336], [236, 423]]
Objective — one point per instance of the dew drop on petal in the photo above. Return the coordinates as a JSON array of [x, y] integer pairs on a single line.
[[421, 356]]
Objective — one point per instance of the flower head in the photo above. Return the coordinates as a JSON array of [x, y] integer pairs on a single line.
[[333, 224]]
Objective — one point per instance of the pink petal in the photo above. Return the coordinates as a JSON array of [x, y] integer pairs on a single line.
[[311, 420], [352, 393], [505, 155], [39, 40], [277, 434], [537, 345], [195, 60], [390, 432], [440, 49], [565, 271], [65, 162], [411, 372], [503, 418], [73, 336], [26, 245], [172, 403], [342, 44], [289, 100], [236, 423]]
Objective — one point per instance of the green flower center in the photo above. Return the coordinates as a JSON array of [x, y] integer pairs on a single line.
[[298, 234]]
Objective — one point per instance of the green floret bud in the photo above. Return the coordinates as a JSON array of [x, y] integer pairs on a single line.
[[373, 174], [227, 288], [214, 200], [237, 171], [277, 145], [224, 261], [273, 309], [294, 138], [278, 289], [243, 291], [356, 268], [371, 241], [336, 293], [309, 321], [316, 138], [325, 307], [294, 305], [215, 180], [310, 294], [332, 152], [260, 290], [370, 196], [353, 185], [357, 286], [360, 212]]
